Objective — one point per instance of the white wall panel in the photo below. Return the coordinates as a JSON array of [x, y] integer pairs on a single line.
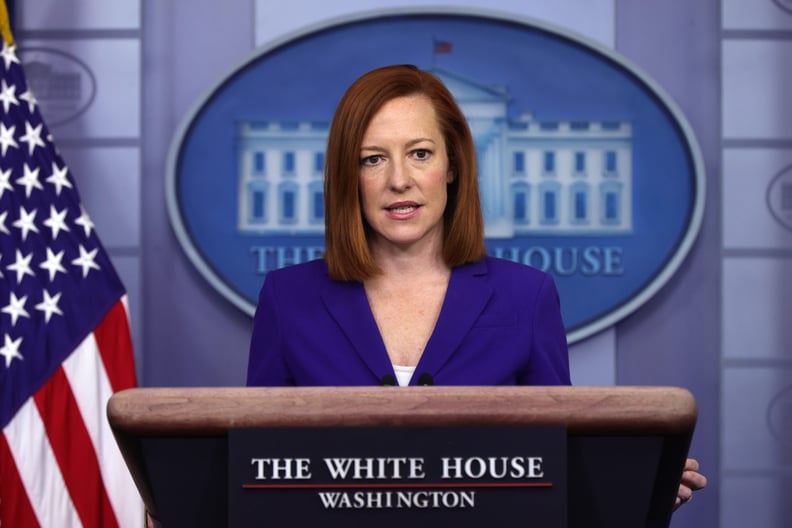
[[756, 420], [593, 361], [757, 14], [756, 501], [757, 303], [756, 79], [747, 219], [591, 18], [114, 65], [78, 14], [108, 179]]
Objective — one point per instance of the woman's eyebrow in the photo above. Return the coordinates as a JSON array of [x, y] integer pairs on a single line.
[[410, 143]]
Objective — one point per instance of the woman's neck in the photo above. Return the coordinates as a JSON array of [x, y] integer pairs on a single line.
[[421, 260], [410, 267]]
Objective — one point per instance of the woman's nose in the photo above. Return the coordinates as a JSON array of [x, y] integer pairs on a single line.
[[399, 178]]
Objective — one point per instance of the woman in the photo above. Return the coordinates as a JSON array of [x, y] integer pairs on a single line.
[[405, 292], [405, 285]]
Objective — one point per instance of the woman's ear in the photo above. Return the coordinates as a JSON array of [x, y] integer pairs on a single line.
[[450, 177]]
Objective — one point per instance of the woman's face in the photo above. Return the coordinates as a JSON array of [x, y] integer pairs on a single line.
[[404, 175]]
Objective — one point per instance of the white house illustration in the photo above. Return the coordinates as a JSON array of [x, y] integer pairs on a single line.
[[564, 177]]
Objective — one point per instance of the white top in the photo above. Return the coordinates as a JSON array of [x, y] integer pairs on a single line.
[[403, 374]]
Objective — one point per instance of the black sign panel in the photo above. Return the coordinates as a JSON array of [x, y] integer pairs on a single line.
[[398, 476]]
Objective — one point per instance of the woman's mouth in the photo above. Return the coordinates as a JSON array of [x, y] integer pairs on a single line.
[[402, 209]]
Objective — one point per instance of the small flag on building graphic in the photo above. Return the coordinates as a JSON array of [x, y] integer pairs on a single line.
[[65, 344], [442, 46]]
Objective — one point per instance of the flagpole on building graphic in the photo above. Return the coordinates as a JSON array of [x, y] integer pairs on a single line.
[[65, 343], [439, 47]]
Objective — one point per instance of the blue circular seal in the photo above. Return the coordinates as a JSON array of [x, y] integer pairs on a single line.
[[587, 169]]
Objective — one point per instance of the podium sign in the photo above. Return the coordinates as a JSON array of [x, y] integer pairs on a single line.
[[180, 442], [398, 476]]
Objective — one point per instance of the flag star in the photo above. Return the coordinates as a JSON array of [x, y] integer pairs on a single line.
[[10, 350], [30, 180], [85, 221], [25, 222], [56, 221], [4, 183], [7, 138], [9, 54], [53, 264], [8, 95], [30, 99], [59, 178], [21, 266], [49, 305], [3, 228], [16, 308], [32, 137], [1, 273], [86, 260]]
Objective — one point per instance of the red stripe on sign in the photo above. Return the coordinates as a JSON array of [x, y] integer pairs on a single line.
[[115, 346], [74, 451], [15, 508], [404, 485]]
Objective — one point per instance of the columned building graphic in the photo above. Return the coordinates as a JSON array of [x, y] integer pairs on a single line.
[[560, 177]]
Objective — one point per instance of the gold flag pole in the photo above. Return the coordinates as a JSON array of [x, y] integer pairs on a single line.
[[5, 24]]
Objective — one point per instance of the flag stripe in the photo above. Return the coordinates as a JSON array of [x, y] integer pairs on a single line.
[[115, 346], [38, 470], [16, 509], [73, 451], [91, 388]]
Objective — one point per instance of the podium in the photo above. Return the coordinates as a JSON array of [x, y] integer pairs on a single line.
[[625, 446]]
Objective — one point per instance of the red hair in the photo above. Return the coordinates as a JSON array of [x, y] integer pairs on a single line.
[[348, 255]]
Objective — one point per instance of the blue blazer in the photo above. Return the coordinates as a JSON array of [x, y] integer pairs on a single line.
[[500, 324]]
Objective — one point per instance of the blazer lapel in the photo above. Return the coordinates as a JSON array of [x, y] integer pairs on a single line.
[[467, 295], [347, 304]]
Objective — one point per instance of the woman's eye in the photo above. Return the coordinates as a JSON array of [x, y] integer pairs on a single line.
[[371, 160], [422, 154]]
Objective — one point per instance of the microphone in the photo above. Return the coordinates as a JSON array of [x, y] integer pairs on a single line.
[[425, 379], [388, 381]]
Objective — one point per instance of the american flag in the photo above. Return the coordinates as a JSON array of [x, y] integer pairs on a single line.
[[442, 46], [65, 345]]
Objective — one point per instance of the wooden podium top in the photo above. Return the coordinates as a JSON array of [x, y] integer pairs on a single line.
[[583, 410], [176, 440]]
